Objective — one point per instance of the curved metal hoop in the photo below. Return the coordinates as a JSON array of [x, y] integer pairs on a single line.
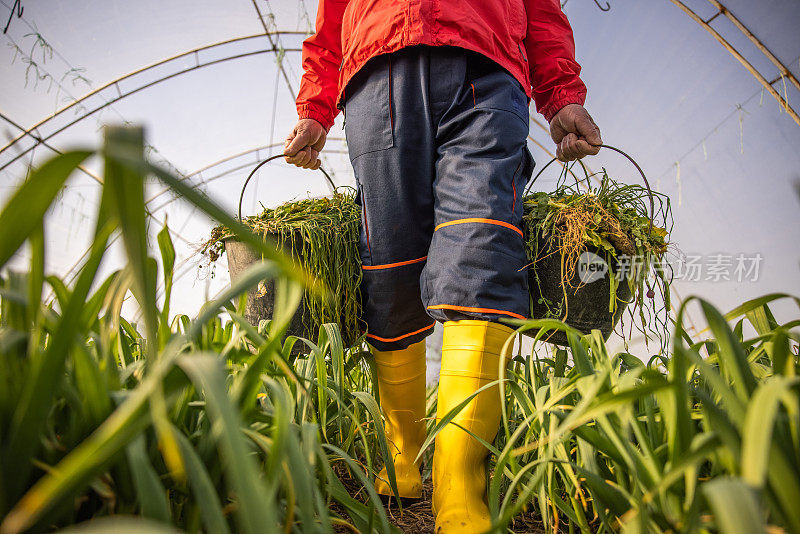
[[615, 149], [253, 173], [33, 130]]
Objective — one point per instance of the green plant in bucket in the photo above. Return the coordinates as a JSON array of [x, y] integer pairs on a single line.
[[323, 233], [612, 221]]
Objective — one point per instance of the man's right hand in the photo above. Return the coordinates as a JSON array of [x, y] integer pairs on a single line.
[[305, 143]]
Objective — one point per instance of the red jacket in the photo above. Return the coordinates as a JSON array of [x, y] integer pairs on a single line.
[[532, 39]]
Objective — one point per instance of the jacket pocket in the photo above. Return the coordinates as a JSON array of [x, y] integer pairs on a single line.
[[368, 109]]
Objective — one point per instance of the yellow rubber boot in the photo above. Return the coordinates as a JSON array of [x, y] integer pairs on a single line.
[[401, 381], [471, 355]]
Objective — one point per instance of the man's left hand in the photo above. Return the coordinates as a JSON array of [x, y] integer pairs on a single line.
[[574, 131]]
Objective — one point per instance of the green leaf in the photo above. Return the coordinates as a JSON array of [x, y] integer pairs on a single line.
[[124, 186], [733, 359], [25, 210], [255, 513], [90, 383], [758, 318], [259, 244], [205, 494], [377, 507], [167, 265], [151, 494], [762, 412], [388, 458], [47, 371], [756, 303], [36, 277], [735, 506], [120, 525]]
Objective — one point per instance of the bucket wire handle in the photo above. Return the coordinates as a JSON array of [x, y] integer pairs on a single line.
[[615, 149], [253, 172]]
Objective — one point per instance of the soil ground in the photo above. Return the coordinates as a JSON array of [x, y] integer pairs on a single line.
[[417, 517]]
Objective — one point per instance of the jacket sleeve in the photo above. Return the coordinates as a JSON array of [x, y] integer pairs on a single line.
[[322, 57], [550, 47]]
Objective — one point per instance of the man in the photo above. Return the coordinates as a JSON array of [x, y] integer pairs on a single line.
[[435, 95]]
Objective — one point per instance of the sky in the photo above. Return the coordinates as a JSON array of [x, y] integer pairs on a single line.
[[660, 87]]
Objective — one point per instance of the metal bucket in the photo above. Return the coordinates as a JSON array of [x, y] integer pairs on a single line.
[[582, 301], [261, 300]]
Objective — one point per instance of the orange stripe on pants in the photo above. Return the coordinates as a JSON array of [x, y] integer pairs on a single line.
[[480, 220]]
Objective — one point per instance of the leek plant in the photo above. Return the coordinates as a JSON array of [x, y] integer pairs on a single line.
[[212, 424], [322, 234], [628, 226], [705, 439], [204, 424]]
